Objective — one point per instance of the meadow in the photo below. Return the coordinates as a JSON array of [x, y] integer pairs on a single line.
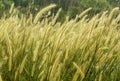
[[41, 48]]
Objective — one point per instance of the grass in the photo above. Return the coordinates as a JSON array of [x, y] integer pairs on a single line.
[[42, 49]]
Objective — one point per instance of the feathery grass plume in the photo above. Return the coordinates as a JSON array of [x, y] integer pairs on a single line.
[[78, 72], [9, 45], [35, 53], [110, 32], [44, 10], [16, 73], [66, 55], [118, 18], [56, 16], [41, 73], [23, 64], [58, 72], [29, 20], [11, 8], [33, 70], [83, 13], [10, 62], [100, 77], [55, 65], [42, 78], [110, 17], [44, 59], [59, 39]]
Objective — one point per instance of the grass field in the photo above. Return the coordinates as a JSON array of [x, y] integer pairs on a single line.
[[42, 49]]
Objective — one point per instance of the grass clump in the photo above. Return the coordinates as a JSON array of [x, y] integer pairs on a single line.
[[79, 49]]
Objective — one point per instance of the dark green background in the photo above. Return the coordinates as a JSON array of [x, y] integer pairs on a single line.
[[69, 7]]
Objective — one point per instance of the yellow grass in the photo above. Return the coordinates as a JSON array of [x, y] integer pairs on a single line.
[[41, 49]]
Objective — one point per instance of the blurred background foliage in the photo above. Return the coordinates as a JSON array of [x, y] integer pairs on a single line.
[[69, 7]]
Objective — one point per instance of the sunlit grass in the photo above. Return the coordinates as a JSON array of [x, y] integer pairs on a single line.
[[42, 49]]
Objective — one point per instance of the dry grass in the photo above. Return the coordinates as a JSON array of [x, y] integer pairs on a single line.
[[79, 49]]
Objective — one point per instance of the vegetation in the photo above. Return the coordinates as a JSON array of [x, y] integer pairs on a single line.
[[42, 49], [69, 7]]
